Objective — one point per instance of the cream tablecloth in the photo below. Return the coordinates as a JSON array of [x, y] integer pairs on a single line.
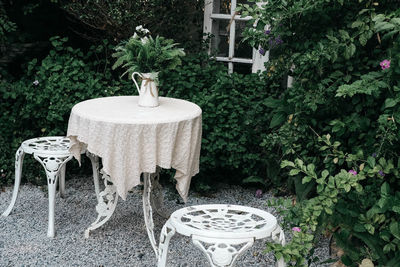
[[132, 139]]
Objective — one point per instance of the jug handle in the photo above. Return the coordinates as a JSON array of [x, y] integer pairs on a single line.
[[133, 78]]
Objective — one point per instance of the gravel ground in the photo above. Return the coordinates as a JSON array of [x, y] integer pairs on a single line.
[[122, 241]]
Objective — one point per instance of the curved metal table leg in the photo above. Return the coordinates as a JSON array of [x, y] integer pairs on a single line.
[[148, 211], [95, 167], [107, 202], [157, 197]]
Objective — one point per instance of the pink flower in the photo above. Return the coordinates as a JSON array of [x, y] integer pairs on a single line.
[[353, 172], [259, 193], [385, 64], [296, 229]]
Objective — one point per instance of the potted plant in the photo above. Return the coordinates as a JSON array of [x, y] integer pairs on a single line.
[[145, 56]]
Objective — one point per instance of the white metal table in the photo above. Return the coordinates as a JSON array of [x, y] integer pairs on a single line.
[[133, 140]]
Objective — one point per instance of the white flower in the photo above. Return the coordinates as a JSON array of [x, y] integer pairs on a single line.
[[36, 82], [144, 40], [135, 36], [142, 30]]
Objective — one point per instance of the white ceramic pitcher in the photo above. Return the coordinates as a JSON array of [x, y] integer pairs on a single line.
[[148, 92]]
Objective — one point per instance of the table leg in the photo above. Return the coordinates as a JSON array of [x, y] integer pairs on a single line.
[[106, 206], [157, 198], [148, 211], [95, 168]]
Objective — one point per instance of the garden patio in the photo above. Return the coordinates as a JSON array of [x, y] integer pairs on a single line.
[[252, 133]]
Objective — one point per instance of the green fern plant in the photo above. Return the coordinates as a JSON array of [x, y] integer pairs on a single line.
[[145, 54]]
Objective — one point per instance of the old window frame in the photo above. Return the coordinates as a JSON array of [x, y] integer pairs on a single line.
[[211, 26]]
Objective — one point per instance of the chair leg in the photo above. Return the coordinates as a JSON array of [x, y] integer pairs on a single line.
[[95, 167], [222, 253], [19, 160], [51, 186], [278, 236], [53, 166], [167, 232], [62, 181]]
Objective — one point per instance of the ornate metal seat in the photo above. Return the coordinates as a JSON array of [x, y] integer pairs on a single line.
[[222, 232], [53, 153]]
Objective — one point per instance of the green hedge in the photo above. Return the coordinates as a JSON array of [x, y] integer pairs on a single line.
[[234, 113]]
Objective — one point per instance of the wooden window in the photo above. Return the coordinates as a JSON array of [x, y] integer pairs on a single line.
[[225, 25]]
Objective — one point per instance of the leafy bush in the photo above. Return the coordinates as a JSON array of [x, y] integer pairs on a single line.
[[358, 204], [39, 103], [233, 117], [344, 58], [233, 107]]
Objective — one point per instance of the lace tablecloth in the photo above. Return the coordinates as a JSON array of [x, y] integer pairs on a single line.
[[132, 139]]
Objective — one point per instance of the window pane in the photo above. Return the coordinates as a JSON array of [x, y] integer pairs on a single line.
[[224, 7], [242, 50], [219, 44]]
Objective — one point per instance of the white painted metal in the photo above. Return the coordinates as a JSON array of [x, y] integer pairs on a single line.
[[19, 161], [148, 211], [52, 165], [62, 181], [107, 201], [53, 153], [96, 170], [221, 232], [152, 199]]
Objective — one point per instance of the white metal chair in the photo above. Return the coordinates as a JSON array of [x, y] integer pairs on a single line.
[[53, 153], [222, 232]]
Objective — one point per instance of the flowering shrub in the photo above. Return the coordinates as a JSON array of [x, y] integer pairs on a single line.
[[344, 58]]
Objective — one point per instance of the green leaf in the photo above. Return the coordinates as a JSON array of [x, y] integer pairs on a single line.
[[390, 102], [294, 172], [371, 162], [385, 189], [347, 187], [328, 211], [306, 179], [356, 24], [396, 209], [324, 174], [287, 163], [394, 229], [277, 119]]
